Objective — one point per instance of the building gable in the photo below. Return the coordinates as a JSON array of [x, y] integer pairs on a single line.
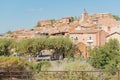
[[114, 35]]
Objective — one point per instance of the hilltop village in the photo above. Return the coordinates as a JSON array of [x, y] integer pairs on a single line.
[[88, 30]]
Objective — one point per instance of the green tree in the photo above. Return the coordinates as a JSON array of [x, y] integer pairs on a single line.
[[25, 46], [6, 46], [62, 45], [38, 25], [72, 19], [107, 56], [9, 32], [116, 17], [53, 21], [39, 44], [12, 62]]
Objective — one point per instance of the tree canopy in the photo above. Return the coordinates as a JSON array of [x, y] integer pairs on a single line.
[[5, 46], [35, 45], [107, 56], [116, 17]]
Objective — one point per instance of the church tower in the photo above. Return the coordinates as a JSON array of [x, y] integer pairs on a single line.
[[84, 17]]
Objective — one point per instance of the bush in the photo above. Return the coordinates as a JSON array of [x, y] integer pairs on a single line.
[[106, 57], [78, 66], [12, 63], [36, 67], [43, 65]]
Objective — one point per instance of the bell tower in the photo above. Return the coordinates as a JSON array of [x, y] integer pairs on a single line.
[[84, 17]]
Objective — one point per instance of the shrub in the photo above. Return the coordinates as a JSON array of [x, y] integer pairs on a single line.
[[37, 67], [78, 66], [12, 63]]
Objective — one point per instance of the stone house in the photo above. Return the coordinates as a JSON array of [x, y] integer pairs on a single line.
[[65, 20], [103, 21], [90, 38], [45, 22]]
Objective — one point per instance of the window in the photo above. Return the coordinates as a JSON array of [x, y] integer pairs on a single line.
[[76, 38], [109, 28], [78, 28], [90, 38]]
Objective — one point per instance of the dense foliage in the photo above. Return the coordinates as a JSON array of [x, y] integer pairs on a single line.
[[116, 17], [107, 56], [9, 32], [6, 46], [35, 45], [53, 21], [24, 46], [40, 66], [12, 63]]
